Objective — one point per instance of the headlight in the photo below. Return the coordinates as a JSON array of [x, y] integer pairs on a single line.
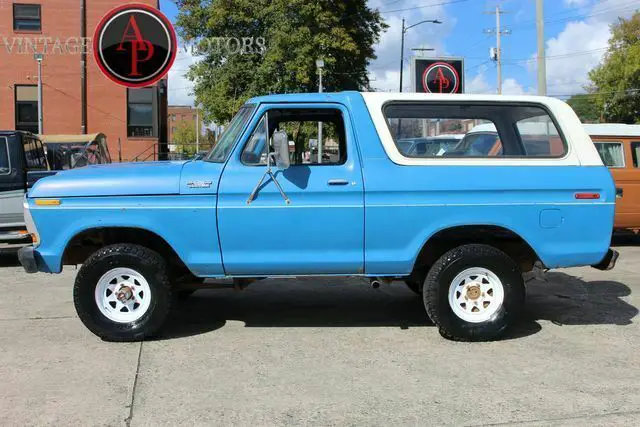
[[31, 226]]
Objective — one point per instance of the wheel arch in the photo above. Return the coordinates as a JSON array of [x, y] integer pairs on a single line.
[[85, 242], [498, 236]]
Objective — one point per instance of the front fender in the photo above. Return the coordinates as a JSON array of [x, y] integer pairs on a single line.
[[187, 223]]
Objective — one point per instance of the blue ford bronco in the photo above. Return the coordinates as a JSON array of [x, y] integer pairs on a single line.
[[318, 185]]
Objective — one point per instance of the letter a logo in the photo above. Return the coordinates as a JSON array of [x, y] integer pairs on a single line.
[[135, 45]]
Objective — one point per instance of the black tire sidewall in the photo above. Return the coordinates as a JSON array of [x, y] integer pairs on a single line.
[[144, 261], [454, 263]]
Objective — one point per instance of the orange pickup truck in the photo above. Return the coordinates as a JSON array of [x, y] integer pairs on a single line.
[[619, 147]]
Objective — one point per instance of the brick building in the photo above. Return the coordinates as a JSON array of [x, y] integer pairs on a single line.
[[178, 114], [136, 117]]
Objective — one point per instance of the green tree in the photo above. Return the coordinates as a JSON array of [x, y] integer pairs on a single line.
[[586, 107], [185, 138], [294, 33], [617, 79]]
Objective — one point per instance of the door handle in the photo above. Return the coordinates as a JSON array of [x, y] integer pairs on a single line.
[[338, 182]]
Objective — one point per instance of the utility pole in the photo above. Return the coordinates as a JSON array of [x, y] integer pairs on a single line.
[[39, 57], [83, 66], [401, 53], [498, 32], [320, 66], [542, 61], [197, 130]]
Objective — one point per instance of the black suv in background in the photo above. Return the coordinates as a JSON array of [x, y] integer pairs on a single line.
[[23, 161]]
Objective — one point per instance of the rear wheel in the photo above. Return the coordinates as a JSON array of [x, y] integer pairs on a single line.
[[122, 292], [474, 293]]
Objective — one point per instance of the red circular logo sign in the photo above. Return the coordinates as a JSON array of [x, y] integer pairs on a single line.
[[440, 77], [135, 45]]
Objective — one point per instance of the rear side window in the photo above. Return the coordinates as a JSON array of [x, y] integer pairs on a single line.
[[34, 154], [5, 166], [635, 151], [428, 130], [612, 153]]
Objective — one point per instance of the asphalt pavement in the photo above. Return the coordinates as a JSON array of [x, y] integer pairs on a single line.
[[325, 351]]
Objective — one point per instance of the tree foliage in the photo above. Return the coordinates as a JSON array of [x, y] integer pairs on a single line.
[[185, 138], [586, 107], [295, 33], [617, 79]]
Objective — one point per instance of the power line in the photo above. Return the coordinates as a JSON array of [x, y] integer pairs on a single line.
[[564, 55], [76, 99], [613, 92], [425, 6]]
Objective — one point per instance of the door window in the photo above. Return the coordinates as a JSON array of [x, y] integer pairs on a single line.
[[612, 153], [5, 166], [304, 128]]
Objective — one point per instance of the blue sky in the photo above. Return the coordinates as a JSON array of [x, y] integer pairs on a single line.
[[576, 33]]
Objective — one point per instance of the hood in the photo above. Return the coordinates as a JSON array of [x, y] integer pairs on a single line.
[[116, 179]]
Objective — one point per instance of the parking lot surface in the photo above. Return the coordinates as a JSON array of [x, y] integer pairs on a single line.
[[325, 351]]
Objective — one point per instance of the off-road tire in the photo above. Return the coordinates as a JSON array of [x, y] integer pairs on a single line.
[[436, 292], [145, 261]]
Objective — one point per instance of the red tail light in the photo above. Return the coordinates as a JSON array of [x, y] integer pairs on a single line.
[[587, 196]]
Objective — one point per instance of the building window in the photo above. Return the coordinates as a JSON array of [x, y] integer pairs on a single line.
[[173, 117], [27, 108], [173, 129], [27, 17], [141, 112]]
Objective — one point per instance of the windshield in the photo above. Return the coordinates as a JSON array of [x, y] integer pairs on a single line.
[[221, 150]]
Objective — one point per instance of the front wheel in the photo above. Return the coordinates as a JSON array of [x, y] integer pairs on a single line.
[[123, 293], [474, 293]]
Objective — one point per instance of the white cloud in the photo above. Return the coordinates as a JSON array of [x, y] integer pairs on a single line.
[[581, 45], [576, 3], [479, 83], [181, 88], [511, 86], [386, 68]]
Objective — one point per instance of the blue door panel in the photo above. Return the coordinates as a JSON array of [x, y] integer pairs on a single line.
[[320, 232]]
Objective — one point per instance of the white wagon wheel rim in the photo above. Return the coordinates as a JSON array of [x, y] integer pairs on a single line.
[[476, 295], [123, 295]]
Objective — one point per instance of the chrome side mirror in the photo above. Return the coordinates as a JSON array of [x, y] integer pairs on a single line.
[[281, 149]]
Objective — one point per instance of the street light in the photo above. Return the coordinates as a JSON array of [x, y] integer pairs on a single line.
[[404, 31], [39, 57], [319, 66]]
